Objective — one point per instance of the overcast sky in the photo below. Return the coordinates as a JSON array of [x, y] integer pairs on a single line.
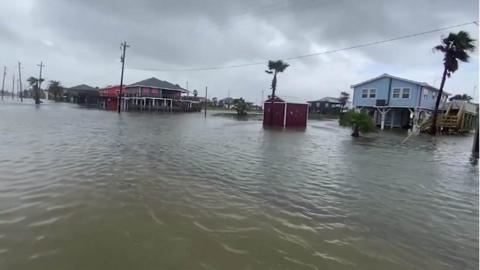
[[79, 42]]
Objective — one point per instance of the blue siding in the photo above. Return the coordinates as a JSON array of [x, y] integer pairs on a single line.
[[428, 102], [382, 92], [382, 87], [411, 102]]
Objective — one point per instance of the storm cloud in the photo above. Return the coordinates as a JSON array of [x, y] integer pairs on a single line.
[[79, 41]]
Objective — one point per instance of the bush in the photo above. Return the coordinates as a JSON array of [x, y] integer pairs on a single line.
[[358, 121]]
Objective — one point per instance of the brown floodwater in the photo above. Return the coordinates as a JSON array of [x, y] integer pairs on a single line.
[[89, 189]]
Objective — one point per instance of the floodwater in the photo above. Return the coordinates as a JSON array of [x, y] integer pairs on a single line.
[[89, 189]]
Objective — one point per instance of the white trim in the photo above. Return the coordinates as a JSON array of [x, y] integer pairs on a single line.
[[159, 88], [369, 92], [400, 97], [409, 92]]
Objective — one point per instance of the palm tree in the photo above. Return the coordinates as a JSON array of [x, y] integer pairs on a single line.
[[454, 47], [275, 67], [465, 97], [195, 94], [33, 82], [344, 97], [56, 89]]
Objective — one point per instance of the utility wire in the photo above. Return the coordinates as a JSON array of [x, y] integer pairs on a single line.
[[313, 54]]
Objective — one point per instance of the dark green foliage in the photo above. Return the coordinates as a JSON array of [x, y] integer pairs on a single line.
[[358, 121], [240, 106], [454, 47], [461, 97], [344, 97], [275, 67], [55, 89]]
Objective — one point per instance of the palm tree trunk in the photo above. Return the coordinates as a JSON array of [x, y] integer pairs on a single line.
[[433, 128], [356, 131], [274, 86]]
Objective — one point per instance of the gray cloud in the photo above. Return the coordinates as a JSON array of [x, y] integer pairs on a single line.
[[80, 41]]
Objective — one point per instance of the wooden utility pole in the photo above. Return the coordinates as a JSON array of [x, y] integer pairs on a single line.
[[3, 82], [206, 95], [122, 59], [13, 86], [20, 82], [261, 105], [39, 84], [475, 139]]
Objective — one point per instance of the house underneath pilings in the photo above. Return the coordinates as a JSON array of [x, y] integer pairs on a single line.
[[396, 102], [148, 95]]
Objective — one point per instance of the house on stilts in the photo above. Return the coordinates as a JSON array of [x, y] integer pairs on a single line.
[[148, 95], [396, 102]]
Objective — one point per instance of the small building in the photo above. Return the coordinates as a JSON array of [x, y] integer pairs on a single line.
[[82, 94], [280, 113], [326, 105], [396, 102]]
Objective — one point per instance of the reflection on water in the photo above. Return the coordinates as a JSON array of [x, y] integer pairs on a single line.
[[89, 189]]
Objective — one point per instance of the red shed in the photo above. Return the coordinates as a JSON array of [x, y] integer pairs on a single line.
[[277, 112]]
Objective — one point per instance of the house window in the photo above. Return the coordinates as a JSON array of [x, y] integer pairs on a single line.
[[406, 93], [365, 93], [373, 93], [425, 94], [434, 96], [396, 93]]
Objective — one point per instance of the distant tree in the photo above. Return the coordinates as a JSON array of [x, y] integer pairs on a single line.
[[461, 97], [454, 47], [275, 67], [214, 101], [359, 121], [195, 93], [344, 97], [240, 106], [55, 89], [34, 82]]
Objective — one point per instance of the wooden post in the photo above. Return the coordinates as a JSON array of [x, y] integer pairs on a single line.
[[475, 139], [206, 95], [392, 118], [382, 119]]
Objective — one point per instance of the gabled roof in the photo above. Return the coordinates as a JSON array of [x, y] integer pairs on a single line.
[[328, 99], [386, 75], [156, 83], [83, 87]]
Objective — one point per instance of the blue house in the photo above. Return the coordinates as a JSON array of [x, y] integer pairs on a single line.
[[394, 101]]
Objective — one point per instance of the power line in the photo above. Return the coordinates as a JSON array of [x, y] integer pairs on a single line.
[[314, 54]]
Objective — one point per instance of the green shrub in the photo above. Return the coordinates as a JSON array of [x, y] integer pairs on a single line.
[[359, 121]]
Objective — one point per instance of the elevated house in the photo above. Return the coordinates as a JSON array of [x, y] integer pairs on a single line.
[[149, 94], [226, 103], [82, 94], [326, 105], [396, 102]]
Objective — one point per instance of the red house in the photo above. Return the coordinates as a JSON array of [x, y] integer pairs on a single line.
[[280, 113], [149, 93]]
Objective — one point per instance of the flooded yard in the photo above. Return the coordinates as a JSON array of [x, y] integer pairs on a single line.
[[90, 189]]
